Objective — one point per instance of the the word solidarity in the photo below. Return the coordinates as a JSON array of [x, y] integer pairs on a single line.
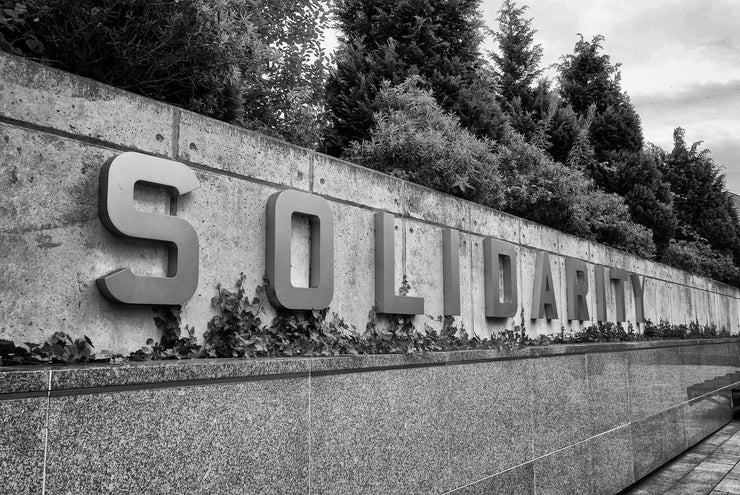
[[118, 214]]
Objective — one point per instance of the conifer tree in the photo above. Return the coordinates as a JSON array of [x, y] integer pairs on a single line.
[[702, 205], [394, 39], [517, 65], [581, 156], [637, 177], [588, 79], [563, 132]]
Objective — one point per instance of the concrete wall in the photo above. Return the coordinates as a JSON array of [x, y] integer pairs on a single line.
[[57, 130], [586, 419]]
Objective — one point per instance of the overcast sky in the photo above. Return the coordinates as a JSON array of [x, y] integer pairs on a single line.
[[680, 62]]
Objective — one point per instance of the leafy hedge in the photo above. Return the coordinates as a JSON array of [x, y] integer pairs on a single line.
[[699, 257]]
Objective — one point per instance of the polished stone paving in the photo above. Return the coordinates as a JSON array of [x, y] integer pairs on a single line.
[[709, 467]]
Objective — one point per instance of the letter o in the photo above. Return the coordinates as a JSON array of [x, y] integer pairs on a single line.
[[280, 209]]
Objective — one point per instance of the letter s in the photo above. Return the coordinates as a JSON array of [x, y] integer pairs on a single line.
[[119, 216]]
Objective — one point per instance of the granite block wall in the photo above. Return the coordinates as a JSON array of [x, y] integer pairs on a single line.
[[57, 130], [586, 419]]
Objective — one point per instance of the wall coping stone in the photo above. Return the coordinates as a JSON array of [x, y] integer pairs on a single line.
[[31, 381]]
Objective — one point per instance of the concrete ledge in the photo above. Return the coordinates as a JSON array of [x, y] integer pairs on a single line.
[[174, 373]]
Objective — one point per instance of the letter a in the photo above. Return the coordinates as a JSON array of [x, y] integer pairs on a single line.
[[543, 297]]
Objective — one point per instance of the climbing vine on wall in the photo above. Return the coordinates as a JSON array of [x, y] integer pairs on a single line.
[[238, 331]]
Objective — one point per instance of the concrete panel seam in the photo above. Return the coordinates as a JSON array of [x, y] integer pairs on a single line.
[[176, 133], [23, 395], [174, 384], [310, 431], [311, 171], [378, 368], [234, 175], [403, 246], [74, 137], [46, 435], [629, 399], [473, 309], [535, 459], [532, 435]]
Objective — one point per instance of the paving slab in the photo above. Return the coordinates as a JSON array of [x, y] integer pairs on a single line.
[[711, 467]]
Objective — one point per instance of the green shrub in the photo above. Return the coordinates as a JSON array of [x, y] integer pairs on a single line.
[[700, 258], [548, 192], [609, 222], [694, 330], [540, 189], [415, 139]]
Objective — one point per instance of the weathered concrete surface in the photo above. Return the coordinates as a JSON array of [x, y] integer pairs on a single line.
[[35, 94], [57, 130], [248, 154]]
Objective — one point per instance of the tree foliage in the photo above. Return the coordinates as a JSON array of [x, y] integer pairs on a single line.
[[258, 63], [699, 257], [590, 83], [564, 129], [390, 40], [637, 177], [518, 58], [414, 138], [548, 192], [704, 209], [587, 76]]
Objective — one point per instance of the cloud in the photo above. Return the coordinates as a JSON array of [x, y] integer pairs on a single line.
[[727, 154], [694, 95], [710, 27]]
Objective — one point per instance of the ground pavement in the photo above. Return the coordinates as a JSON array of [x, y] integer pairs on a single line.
[[710, 467]]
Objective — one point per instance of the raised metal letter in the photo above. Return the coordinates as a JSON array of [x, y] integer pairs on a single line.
[[543, 296], [600, 293], [619, 277], [576, 289], [499, 261], [386, 299], [119, 216], [280, 209], [637, 290], [451, 269]]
